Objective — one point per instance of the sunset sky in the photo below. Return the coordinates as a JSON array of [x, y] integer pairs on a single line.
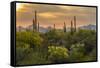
[[48, 15]]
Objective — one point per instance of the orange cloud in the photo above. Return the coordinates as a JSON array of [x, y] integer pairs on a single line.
[[47, 15]]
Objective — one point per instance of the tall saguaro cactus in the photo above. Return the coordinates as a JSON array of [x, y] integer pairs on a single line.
[[33, 24], [36, 18], [35, 21], [71, 27], [38, 26], [64, 27], [75, 23], [54, 26]]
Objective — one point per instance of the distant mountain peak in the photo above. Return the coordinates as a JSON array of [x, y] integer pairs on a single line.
[[90, 27]]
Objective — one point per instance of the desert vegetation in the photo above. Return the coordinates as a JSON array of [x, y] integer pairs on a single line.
[[55, 46]]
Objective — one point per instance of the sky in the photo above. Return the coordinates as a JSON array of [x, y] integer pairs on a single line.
[[48, 15]]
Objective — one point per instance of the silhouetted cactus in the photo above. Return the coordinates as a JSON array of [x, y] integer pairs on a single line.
[[35, 22], [74, 23], [38, 26], [36, 19], [64, 27], [71, 27], [54, 26]]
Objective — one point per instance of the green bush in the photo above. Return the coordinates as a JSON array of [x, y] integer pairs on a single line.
[[21, 53], [57, 54], [77, 52], [33, 58], [31, 38]]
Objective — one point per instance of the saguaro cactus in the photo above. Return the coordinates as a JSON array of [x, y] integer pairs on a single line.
[[38, 26], [33, 24], [54, 26], [35, 21], [64, 27], [75, 23], [71, 27]]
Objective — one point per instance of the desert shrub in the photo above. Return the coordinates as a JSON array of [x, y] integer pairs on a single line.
[[77, 52], [32, 57], [55, 37], [22, 52], [88, 37], [57, 54], [31, 38], [81, 36], [92, 56]]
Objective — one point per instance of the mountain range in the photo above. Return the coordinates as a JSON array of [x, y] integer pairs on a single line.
[[90, 27], [44, 30]]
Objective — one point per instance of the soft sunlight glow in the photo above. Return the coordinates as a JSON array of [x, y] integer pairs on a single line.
[[46, 15], [18, 6]]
